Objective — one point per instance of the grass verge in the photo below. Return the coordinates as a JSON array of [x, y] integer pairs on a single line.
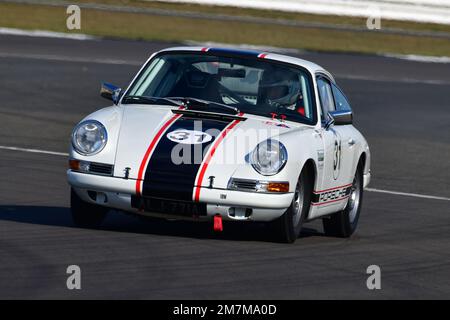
[[298, 16], [164, 28]]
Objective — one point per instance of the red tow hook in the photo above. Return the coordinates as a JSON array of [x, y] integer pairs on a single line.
[[274, 115], [218, 226]]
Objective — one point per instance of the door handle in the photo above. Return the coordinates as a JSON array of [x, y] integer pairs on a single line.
[[351, 142]]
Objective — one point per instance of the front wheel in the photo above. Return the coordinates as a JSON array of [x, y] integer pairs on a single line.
[[343, 223], [287, 227], [84, 214]]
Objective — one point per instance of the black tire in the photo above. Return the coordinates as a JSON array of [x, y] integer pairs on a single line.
[[343, 223], [287, 227], [84, 214]]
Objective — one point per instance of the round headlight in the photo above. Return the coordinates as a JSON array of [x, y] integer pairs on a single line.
[[89, 137], [269, 157]]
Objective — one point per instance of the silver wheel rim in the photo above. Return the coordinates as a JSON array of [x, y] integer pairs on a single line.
[[353, 202], [298, 204]]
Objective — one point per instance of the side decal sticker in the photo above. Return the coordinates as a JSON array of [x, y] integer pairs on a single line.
[[331, 195]]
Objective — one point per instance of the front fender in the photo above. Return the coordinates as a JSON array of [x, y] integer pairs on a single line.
[[302, 145], [111, 118]]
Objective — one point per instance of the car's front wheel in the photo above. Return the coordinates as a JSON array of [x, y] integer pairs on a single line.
[[343, 223], [84, 214], [287, 228]]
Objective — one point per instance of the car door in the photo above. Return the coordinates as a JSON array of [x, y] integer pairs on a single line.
[[347, 134], [335, 169]]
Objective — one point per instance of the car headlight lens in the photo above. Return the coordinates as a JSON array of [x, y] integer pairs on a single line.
[[89, 137], [269, 157]]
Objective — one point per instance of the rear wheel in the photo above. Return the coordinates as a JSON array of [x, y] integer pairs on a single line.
[[84, 214], [343, 223], [287, 227]]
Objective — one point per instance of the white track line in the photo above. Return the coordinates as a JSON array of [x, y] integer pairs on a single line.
[[82, 36], [52, 57], [407, 194], [35, 151], [46, 34], [418, 58]]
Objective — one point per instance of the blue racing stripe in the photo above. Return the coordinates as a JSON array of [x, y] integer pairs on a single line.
[[167, 180], [237, 52]]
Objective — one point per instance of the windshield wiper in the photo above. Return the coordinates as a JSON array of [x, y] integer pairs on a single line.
[[191, 103], [188, 102], [148, 99]]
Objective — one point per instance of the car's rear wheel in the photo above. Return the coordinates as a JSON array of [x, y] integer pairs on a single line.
[[84, 214], [343, 223], [287, 227]]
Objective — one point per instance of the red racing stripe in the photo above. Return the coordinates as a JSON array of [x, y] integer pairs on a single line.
[[209, 156], [150, 148]]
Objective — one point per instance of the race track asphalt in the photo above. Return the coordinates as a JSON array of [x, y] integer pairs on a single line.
[[402, 107]]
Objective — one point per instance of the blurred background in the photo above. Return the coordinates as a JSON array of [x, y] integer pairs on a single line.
[[419, 27]]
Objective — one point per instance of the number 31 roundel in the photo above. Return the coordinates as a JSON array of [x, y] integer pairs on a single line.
[[337, 154], [189, 136]]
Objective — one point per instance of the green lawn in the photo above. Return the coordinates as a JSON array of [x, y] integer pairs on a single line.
[[338, 20], [163, 28]]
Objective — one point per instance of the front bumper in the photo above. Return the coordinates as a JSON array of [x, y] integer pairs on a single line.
[[118, 191]]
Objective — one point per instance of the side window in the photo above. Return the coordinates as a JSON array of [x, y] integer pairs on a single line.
[[341, 101], [326, 96]]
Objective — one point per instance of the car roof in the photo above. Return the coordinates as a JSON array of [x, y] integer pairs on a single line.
[[312, 67]]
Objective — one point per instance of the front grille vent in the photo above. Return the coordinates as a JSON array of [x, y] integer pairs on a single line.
[[100, 168], [243, 184]]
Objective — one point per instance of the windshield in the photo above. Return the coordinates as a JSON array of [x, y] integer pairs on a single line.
[[251, 85]]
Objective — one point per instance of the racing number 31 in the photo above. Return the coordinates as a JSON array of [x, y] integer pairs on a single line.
[[189, 136], [336, 155]]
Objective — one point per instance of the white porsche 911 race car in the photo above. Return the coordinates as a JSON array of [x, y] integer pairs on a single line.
[[214, 133]]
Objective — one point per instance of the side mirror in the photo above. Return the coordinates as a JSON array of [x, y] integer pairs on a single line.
[[110, 92], [339, 118]]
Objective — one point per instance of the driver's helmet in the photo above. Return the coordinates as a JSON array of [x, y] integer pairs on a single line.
[[281, 89]]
